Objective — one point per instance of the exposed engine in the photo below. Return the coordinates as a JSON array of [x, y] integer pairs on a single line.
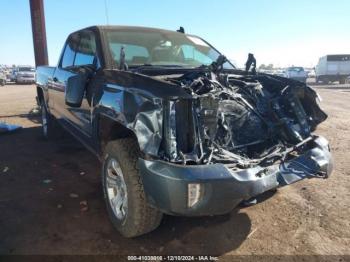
[[240, 120]]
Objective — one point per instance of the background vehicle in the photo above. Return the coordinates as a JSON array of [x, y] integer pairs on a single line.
[[332, 68], [8, 74], [347, 80], [13, 74], [311, 73], [280, 73], [2, 78], [25, 74], [296, 73], [178, 129]]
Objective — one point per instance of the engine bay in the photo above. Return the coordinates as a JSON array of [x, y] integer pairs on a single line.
[[239, 120]]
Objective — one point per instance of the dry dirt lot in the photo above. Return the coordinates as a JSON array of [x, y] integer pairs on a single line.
[[38, 215]]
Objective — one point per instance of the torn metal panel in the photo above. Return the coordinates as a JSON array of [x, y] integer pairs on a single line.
[[244, 120]]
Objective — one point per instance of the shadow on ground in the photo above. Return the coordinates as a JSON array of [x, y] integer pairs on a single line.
[[38, 216], [33, 115]]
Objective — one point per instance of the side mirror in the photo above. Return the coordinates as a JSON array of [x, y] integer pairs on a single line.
[[75, 90]]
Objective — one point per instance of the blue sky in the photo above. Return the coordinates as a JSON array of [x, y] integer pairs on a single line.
[[295, 32]]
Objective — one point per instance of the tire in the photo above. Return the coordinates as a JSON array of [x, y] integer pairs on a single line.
[[50, 128], [130, 213]]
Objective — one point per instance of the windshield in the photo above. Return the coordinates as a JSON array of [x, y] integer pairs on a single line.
[[26, 69], [161, 48], [338, 58]]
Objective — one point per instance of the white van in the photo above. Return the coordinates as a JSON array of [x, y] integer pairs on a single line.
[[331, 68]]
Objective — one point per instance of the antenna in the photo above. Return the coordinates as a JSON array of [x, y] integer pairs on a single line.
[[106, 12]]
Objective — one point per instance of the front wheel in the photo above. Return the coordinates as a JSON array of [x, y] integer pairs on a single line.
[[123, 190]]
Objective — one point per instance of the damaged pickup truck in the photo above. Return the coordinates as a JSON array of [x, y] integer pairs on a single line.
[[178, 129]]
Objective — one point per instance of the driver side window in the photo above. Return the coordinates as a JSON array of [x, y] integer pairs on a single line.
[[69, 52], [80, 50], [86, 53]]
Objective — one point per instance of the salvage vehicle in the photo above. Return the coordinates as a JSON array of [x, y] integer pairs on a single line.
[[333, 68], [347, 80], [2, 78], [178, 129], [13, 74], [25, 75], [297, 73]]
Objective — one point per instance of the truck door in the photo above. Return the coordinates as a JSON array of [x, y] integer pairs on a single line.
[[79, 57], [58, 82], [86, 62]]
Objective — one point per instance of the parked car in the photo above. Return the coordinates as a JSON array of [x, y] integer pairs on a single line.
[[2, 78], [347, 80], [8, 74], [178, 129], [13, 74], [297, 73], [311, 73], [333, 68], [25, 74], [280, 73]]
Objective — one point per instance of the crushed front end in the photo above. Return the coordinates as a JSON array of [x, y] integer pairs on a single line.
[[235, 137]]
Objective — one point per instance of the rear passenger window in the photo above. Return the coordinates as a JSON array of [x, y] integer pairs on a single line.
[[86, 52], [69, 51]]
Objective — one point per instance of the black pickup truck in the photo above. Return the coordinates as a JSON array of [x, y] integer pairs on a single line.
[[178, 129]]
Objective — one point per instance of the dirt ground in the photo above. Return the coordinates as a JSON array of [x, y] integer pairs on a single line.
[[38, 215]]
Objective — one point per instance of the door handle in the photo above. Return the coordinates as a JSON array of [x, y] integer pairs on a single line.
[[55, 79]]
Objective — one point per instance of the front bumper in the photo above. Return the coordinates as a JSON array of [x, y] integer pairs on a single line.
[[25, 80], [166, 184]]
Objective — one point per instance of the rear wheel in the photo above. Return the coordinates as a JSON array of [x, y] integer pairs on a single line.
[[123, 190]]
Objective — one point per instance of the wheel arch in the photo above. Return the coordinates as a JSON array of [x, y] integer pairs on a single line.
[[109, 129]]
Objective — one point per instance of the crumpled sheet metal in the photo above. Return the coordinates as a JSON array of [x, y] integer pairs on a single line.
[[148, 129], [139, 111]]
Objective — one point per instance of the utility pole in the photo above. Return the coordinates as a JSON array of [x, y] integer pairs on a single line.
[[39, 32]]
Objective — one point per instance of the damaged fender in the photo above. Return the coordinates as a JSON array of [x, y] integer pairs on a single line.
[[137, 103]]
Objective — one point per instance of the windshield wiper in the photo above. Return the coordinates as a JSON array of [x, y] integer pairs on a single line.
[[217, 66], [143, 66]]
